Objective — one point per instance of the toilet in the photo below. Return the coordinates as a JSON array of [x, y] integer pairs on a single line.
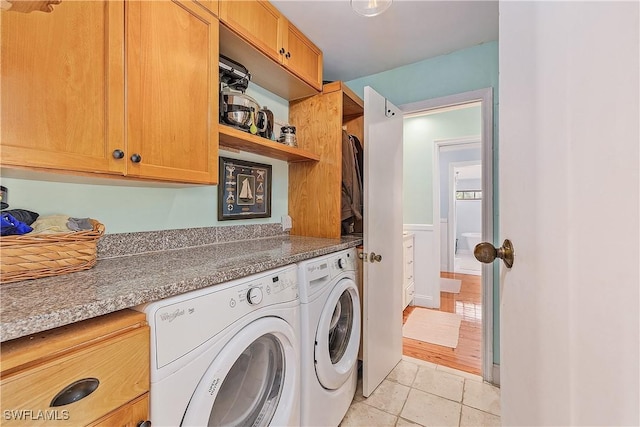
[[472, 239]]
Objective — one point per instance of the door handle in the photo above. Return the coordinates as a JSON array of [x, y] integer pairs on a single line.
[[373, 257], [485, 252]]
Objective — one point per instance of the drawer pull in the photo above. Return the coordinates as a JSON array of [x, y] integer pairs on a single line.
[[75, 391]]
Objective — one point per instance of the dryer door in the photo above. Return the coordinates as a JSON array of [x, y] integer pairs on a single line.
[[252, 381], [338, 335]]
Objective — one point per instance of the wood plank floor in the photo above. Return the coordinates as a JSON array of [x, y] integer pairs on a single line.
[[468, 303]]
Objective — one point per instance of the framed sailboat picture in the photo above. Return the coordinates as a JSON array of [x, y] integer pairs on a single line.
[[244, 190]]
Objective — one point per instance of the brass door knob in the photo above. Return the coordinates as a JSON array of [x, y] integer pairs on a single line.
[[373, 257], [485, 252]]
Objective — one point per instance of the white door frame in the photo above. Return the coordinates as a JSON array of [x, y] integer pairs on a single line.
[[485, 96], [468, 142]]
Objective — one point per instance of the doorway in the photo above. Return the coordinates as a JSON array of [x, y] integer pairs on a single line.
[[473, 300]]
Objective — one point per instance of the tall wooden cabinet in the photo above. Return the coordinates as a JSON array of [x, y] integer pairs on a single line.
[[77, 95], [315, 188], [63, 87]]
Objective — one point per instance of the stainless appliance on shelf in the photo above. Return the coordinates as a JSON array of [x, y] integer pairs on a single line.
[[236, 108]]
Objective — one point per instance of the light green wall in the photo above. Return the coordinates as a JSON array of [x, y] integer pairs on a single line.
[[460, 71], [418, 141], [129, 206]]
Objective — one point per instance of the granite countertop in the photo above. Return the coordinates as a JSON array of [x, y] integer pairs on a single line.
[[114, 284]]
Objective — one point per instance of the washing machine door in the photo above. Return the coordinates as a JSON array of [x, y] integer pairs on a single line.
[[338, 335], [252, 381]]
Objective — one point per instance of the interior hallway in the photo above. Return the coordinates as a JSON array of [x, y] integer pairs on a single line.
[[418, 393], [467, 356]]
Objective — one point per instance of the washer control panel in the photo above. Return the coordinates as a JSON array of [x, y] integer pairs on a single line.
[[345, 261]]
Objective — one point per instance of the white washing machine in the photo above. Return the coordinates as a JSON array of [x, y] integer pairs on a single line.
[[330, 321], [227, 354]]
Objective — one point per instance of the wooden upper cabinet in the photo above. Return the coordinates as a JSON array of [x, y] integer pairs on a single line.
[[62, 85], [302, 57], [210, 5], [172, 91], [258, 22], [262, 25]]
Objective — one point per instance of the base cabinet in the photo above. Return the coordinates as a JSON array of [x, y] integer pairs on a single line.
[[94, 372], [408, 282], [133, 414]]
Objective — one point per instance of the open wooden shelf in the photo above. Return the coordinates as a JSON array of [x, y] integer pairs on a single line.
[[234, 138]]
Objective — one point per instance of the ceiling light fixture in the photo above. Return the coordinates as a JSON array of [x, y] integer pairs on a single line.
[[370, 7]]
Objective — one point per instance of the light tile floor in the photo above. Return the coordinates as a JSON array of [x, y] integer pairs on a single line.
[[418, 393]]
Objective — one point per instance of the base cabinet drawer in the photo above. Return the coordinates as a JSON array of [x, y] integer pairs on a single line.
[[408, 294], [79, 387], [133, 414]]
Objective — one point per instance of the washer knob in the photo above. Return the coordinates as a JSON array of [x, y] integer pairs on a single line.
[[342, 263], [254, 296]]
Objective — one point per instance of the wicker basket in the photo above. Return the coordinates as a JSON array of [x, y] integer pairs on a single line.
[[40, 255]]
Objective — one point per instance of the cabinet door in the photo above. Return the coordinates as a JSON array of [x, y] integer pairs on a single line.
[[258, 22], [302, 57], [62, 87], [172, 91], [210, 5]]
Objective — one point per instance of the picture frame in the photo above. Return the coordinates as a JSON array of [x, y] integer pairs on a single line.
[[244, 190]]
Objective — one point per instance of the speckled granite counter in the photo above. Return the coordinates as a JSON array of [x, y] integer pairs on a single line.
[[114, 284]]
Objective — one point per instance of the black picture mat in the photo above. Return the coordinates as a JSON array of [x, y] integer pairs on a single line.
[[244, 190]]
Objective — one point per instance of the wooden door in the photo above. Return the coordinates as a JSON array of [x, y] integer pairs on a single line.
[[258, 22], [382, 311], [62, 87], [569, 202], [172, 91], [302, 57]]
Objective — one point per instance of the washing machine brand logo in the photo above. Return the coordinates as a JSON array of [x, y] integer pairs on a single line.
[[317, 267], [170, 317]]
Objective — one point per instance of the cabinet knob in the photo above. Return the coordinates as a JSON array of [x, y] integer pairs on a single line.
[[145, 423], [281, 51], [118, 154], [136, 158], [288, 55]]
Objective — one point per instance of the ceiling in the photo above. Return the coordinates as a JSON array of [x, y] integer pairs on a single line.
[[409, 31]]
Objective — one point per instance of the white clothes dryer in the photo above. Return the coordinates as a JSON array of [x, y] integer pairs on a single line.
[[330, 321], [227, 355]]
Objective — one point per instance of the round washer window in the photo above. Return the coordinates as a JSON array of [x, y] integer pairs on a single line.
[[251, 390], [340, 327]]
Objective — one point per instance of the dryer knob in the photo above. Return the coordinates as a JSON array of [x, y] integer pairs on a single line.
[[254, 296], [342, 263]]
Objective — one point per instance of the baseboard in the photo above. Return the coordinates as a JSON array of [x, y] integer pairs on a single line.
[[496, 374], [423, 301]]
